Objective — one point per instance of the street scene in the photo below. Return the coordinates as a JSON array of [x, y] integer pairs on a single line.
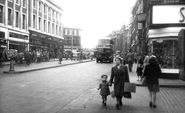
[[73, 87], [92, 56]]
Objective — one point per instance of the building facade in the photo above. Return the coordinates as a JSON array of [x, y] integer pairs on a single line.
[[159, 23], [45, 26], [14, 32], [72, 39], [31, 25]]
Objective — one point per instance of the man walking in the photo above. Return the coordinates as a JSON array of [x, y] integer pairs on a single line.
[[130, 60]]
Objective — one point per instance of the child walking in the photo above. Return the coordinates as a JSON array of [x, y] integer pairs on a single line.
[[104, 89]]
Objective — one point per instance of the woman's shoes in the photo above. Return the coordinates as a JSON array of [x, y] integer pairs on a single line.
[[117, 106], [104, 103], [152, 105]]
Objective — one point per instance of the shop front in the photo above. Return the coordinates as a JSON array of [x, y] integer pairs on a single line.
[[163, 37], [18, 41], [3, 43], [43, 42]]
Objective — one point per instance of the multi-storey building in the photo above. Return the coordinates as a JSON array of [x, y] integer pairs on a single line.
[[72, 39], [160, 23], [45, 25], [14, 25]]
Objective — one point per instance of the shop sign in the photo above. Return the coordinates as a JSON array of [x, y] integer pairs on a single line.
[[168, 14], [183, 14], [19, 36], [141, 17]]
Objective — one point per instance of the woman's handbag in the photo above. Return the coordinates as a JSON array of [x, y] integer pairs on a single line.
[[129, 87], [112, 92], [143, 80], [127, 95]]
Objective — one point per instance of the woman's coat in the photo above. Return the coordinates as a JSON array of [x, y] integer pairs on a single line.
[[119, 76]]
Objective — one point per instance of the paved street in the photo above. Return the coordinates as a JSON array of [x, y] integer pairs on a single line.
[[72, 87]]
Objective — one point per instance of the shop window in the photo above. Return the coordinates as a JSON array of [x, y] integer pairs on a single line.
[[23, 21], [1, 14], [16, 19], [166, 53], [34, 21], [9, 16]]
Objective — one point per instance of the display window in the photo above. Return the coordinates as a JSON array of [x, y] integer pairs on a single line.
[[166, 52]]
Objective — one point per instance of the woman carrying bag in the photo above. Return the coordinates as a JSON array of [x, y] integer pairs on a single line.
[[152, 72], [119, 74]]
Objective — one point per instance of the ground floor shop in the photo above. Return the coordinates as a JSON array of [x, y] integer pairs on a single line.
[[163, 43], [45, 43]]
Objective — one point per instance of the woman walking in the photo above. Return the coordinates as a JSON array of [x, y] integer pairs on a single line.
[[152, 73], [119, 74]]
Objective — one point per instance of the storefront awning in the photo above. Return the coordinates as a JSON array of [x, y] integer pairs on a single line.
[[164, 32]]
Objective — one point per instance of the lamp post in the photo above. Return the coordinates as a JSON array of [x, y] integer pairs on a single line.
[[72, 40]]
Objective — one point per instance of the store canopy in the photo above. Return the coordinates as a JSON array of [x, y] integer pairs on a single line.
[[164, 32]]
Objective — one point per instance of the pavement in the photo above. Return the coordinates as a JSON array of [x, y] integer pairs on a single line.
[[170, 99]]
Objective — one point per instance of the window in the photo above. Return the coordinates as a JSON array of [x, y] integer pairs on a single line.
[[39, 23], [56, 16], [40, 6], [23, 21], [34, 21], [56, 30], [10, 0], [53, 28], [68, 32], [16, 19], [49, 11], [77, 33], [17, 2], [34, 3], [9, 16], [44, 25], [45, 9], [1, 14], [59, 31], [53, 14], [49, 27], [24, 3]]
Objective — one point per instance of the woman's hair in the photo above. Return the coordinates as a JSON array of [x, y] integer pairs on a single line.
[[104, 75], [119, 58], [153, 60]]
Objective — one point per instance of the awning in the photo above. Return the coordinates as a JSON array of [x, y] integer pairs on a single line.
[[164, 32]]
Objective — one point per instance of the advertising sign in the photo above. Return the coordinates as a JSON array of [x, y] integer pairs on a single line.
[[168, 14]]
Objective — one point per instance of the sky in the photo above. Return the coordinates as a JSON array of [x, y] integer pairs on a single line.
[[95, 18]]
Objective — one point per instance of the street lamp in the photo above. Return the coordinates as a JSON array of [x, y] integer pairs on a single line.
[[72, 40]]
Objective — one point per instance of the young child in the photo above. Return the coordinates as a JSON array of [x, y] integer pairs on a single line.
[[104, 89]]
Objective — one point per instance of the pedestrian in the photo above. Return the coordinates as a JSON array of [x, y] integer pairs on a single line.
[[139, 69], [120, 75], [152, 72], [130, 60], [104, 89], [60, 57], [27, 56]]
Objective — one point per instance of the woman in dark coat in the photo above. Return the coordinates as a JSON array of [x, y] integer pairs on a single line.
[[119, 74], [152, 73]]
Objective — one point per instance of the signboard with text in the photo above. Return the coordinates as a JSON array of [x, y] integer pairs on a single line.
[[168, 14]]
